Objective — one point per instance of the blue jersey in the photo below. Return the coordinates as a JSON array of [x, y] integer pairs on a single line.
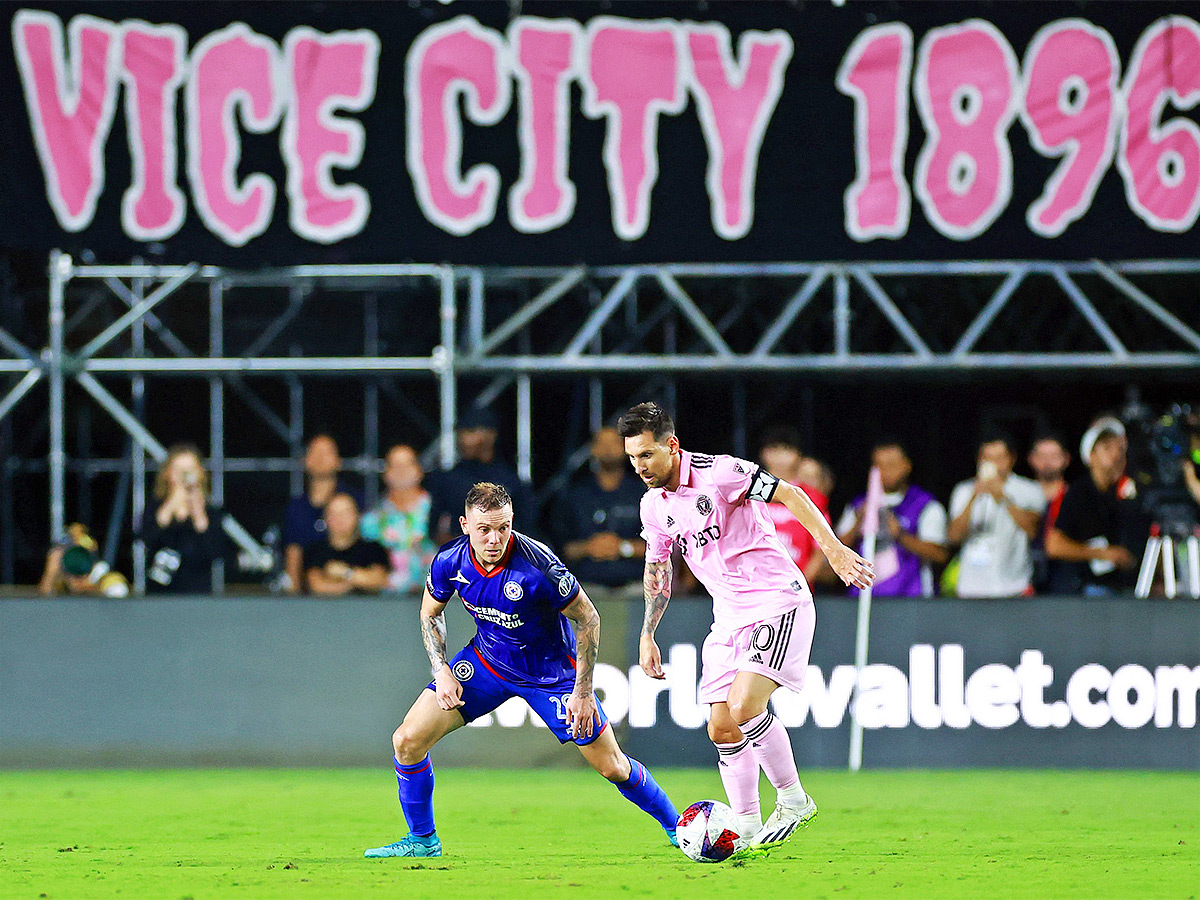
[[522, 634]]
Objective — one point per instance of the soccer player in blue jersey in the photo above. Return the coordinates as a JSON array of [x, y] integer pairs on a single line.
[[521, 596]]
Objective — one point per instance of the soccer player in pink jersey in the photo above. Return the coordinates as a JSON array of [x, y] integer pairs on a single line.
[[712, 507]]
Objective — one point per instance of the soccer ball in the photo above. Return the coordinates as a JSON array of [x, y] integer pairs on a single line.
[[708, 832]]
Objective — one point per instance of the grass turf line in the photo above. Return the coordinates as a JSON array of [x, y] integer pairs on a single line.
[[253, 833]]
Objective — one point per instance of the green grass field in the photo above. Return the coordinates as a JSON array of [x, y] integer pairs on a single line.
[[566, 833]]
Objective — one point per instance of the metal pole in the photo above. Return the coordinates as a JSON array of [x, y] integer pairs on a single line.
[[525, 428], [60, 274], [296, 443], [138, 397], [444, 364], [371, 403], [1193, 561], [216, 415], [841, 314]]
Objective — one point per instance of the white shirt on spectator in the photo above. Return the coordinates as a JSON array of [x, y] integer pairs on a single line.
[[995, 560]]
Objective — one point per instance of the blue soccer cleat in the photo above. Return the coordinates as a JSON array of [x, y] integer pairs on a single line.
[[672, 837], [409, 845]]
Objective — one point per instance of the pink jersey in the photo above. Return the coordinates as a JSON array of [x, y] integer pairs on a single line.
[[729, 543]]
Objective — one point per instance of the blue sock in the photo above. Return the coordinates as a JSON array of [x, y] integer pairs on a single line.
[[416, 795], [641, 789]]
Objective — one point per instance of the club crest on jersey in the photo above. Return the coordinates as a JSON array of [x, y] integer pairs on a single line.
[[704, 505], [463, 670], [513, 591], [564, 585]]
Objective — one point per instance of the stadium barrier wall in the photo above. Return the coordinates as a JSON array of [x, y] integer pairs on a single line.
[[1059, 682]]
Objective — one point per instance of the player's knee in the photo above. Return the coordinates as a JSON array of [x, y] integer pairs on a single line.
[[720, 732], [409, 749], [615, 768], [742, 709]]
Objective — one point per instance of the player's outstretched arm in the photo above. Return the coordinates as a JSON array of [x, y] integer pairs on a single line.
[[850, 567], [656, 586], [447, 690], [581, 707]]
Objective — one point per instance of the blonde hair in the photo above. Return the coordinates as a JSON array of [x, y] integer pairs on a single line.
[[162, 485]]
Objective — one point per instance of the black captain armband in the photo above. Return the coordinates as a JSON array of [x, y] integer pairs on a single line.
[[762, 486]]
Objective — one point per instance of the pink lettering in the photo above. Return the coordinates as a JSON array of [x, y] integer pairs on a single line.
[[456, 57], [735, 104], [543, 53], [153, 207], [1070, 110], [232, 74], [966, 88], [328, 73], [633, 75], [70, 108], [875, 72], [1161, 162]]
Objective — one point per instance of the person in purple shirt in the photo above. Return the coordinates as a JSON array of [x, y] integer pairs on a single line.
[[912, 527], [537, 638]]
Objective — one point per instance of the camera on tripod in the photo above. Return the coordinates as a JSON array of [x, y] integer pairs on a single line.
[[1160, 449]]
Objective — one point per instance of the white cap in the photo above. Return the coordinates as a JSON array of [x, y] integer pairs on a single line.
[[1103, 425]]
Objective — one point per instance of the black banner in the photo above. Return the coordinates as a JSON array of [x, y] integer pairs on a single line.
[[639, 132]]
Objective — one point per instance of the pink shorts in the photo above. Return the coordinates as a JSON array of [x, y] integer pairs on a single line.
[[777, 648]]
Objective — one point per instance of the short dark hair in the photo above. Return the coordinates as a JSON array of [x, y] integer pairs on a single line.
[[646, 417], [780, 436], [998, 436], [1049, 434], [891, 441], [486, 496]]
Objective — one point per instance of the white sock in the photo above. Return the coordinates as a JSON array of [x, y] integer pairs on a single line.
[[792, 796], [750, 824]]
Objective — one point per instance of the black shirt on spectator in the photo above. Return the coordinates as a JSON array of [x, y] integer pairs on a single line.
[[586, 509], [179, 558], [1087, 513], [359, 555]]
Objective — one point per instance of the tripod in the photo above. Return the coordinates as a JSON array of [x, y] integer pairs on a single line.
[[1162, 546]]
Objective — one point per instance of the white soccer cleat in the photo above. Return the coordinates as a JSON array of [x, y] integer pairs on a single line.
[[783, 822]]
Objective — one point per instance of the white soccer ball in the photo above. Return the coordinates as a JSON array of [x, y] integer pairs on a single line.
[[708, 832]]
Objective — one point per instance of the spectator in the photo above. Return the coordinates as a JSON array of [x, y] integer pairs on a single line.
[[401, 521], [780, 455], [994, 516], [598, 525], [74, 567], [815, 473], [912, 530], [1048, 459], [303, 520], [476, 440], [340, 561], [184, 537], [1090, 536]]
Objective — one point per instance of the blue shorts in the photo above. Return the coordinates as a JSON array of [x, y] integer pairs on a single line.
[[483, 690]]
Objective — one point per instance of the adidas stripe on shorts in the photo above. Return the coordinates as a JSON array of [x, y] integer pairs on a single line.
[[777, 648]]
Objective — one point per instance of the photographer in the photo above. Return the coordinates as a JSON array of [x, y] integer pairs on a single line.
[[184, 538], [74, 567]]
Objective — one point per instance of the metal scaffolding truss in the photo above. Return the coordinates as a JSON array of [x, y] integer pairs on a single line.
[[509, 326]]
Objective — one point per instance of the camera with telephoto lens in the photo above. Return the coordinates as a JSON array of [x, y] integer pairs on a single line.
[[81, 559], [1159, 448]]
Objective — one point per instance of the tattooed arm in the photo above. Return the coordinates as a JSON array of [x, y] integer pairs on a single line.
[[656, 584], [446, 688], [581, 707]]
